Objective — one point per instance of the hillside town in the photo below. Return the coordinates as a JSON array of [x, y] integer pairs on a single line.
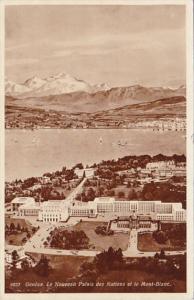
[[34, 118]]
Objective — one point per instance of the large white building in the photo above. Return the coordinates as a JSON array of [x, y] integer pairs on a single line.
[[54, 211], [61, 210], [156, 209]]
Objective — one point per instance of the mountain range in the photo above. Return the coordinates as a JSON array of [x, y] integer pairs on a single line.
[[61, 83], [64, 92]]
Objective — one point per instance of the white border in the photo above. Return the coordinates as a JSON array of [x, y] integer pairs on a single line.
[[190, 163]]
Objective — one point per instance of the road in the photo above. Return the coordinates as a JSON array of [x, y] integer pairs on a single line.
[[36, 242], [36, 246], [76, 191]]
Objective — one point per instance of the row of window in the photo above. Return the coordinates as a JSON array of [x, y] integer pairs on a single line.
[[50, 219]]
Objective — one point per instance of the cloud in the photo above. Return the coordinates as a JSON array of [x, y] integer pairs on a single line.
[[116, 44], [21, 61], [16, 47]]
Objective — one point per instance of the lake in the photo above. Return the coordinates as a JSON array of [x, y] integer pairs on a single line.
[[32, 153]]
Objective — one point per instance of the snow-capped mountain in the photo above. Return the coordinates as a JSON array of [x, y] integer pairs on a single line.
[[61, 83], [34, 82], [14, 89]]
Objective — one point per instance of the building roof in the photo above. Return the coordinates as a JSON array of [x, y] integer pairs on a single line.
[[22, 200], [52, 203], [30, 206], [104, 199]]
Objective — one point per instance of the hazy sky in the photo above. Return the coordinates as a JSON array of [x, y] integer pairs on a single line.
[[119, 45]]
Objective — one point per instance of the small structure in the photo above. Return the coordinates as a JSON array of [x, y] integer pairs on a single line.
[[18, 201], [87, 172]]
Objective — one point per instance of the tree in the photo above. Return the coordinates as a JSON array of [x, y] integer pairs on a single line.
[[108, 260], [87, 266], [111, 193], [45, 243], [90, 194], [43, 268], [25, 265], [160, 236], [24, 240], [162, 254], [12, 227], [121, 194], [34, 229], [28, 235], [75, 239], [18, 227], [79, 166], [132, 194], [62, 196], [14, 257], [63, 170]]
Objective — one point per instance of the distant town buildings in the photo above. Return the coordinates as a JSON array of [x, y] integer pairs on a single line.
[[165, 124], [166, 169], [157, 171]]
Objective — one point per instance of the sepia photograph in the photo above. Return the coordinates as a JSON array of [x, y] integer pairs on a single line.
[[96, 133]]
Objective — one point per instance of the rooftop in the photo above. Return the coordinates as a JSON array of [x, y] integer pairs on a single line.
[[23, 200], [104, 199], [30, 206]]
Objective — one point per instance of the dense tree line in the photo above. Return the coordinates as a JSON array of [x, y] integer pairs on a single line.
[[173, 267], [64, 239], [166, 192], [134, 161], [176, 233]]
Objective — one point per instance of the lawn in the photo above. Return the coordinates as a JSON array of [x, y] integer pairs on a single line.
[[16, 238], [147, 243], [100, 242], [22, 222], [63, 189]]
